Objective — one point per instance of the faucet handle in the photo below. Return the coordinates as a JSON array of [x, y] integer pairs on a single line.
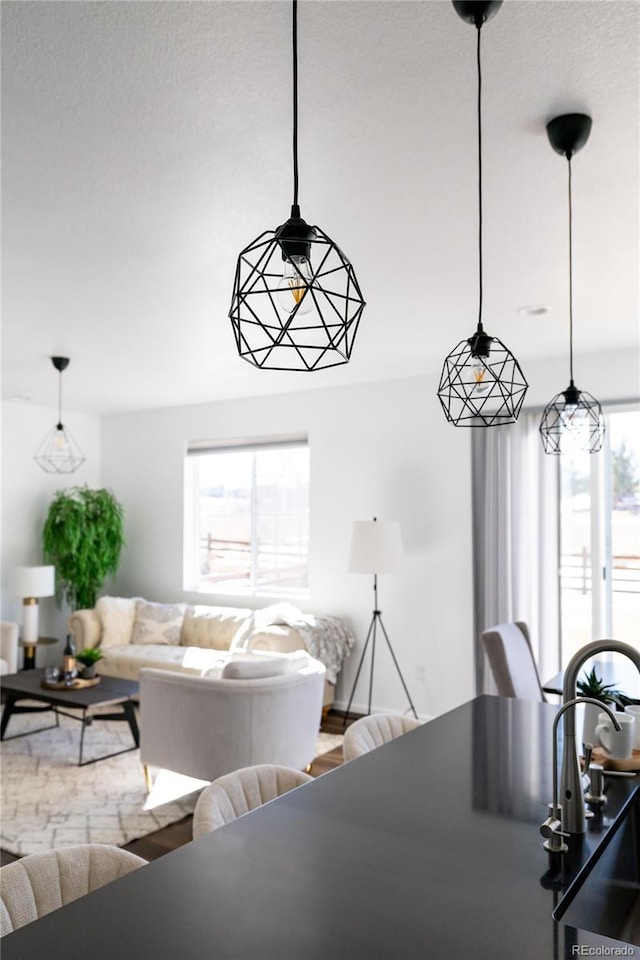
[[596, 795], [552, 831]]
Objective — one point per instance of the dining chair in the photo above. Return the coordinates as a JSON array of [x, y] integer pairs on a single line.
[[237, 793], [373, 731], [508, 650], [42, 882]]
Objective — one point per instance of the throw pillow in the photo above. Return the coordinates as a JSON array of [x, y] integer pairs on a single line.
[[255, 669], [213, 627], [157, 622], [116, 615]]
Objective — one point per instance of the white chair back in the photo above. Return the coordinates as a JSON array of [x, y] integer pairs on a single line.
[[237, 793], [204, 727], [41, 882], [373, 731]]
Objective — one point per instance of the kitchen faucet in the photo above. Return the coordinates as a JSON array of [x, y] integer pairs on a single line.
[[573, 819], [552, 828]]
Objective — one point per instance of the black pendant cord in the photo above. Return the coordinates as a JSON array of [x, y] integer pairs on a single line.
[[480, 268], [59, 424], [570, 275], [295, 103]]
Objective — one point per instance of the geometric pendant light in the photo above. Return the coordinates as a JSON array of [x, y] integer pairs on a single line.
[[59, 452], [296, 301], [573, 421], [481, 384]]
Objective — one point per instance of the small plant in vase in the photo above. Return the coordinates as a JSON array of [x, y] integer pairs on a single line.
[[593, 686], [88, 658]]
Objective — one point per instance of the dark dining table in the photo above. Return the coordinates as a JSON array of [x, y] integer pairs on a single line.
[[621, 673], [428, 846]]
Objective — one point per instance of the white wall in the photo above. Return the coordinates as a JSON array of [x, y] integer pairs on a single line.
[[609, 376], [380, 449], [26, 494]]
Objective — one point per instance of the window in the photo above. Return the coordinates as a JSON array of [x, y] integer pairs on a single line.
[[247, 518], [600, 538]]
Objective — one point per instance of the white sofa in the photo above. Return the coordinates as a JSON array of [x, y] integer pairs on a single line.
[[134, 633], [262, 708]]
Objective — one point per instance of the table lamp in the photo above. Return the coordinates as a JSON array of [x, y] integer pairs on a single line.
[[30, 583], [376, 547]]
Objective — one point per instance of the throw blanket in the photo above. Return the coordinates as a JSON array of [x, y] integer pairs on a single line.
[[327, 639]]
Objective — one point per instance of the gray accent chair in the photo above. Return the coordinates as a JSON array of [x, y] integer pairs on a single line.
[[237, 793], [43, 882], [508, 650], [264, 708], [370, 732]]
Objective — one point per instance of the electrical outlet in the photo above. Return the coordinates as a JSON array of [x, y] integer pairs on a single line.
[[420, 673]]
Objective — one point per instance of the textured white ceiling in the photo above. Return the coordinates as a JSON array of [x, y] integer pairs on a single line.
[[145, 143]]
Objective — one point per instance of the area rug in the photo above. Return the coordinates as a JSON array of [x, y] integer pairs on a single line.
[[48, 801]]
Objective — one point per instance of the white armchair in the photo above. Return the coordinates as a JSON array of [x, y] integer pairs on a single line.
[[8, 647], [263, 709]]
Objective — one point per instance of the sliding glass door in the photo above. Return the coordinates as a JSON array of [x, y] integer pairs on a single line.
[[600, 538]]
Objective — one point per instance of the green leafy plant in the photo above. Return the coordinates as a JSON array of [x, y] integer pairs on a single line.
[[89, 656], [594, 686], [83, 537]]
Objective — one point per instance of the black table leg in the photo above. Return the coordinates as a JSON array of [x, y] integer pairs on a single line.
[[84, 722], [10, 708], [6, 713], [130, 714]]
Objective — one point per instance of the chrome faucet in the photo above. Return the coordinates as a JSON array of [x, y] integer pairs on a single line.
[[552, 828], [570, 781]]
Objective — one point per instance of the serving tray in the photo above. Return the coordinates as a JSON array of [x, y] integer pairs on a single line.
[[612, 763], [77, 684]]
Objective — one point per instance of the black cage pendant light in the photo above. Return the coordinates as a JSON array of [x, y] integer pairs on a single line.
[[296, 301], [481, 384], [59, 452], [573, 421]]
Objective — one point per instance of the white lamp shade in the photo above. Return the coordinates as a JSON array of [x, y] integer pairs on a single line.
[[376, 547], [33, 581]]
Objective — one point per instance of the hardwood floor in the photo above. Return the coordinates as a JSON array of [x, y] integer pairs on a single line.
[[156, 844]]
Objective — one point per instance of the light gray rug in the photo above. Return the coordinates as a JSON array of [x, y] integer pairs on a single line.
[[48, 801]]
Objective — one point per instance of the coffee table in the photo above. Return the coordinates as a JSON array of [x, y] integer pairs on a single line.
[[26, 685]]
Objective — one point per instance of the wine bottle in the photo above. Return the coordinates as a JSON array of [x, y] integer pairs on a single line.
[[69, 659]]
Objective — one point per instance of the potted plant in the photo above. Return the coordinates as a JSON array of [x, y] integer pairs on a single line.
[[82, 537], [88, 658], [593, 686]]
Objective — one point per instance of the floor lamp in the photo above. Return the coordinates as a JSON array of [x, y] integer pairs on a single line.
[[376, 548]]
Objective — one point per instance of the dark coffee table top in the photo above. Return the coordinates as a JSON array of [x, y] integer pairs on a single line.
[[27, 683]]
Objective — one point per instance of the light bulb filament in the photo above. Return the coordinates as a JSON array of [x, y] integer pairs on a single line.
[[296, 280], [298, 288], [479, 374]]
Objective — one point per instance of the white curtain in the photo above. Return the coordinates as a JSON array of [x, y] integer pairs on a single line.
[[515, 539]]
